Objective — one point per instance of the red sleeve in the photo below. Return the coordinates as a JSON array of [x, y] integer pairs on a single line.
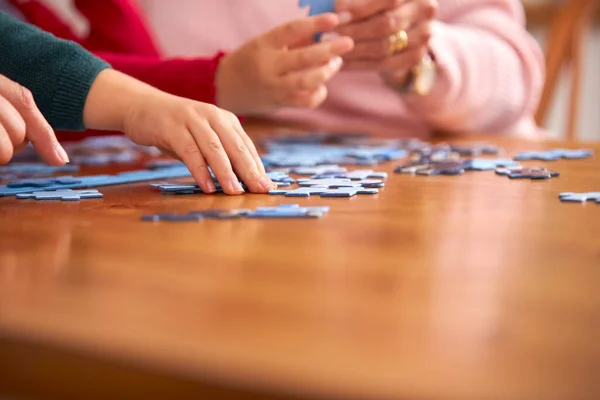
[[190, 78], [117, 26], [41, 16]]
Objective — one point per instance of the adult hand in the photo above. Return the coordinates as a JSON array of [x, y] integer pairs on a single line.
[[391, 36], [22, 122], [281, 68]]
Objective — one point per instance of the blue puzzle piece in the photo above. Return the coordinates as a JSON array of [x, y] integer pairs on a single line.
[[105, 180], [280, 177], [482, 164], [289, 211], [475, 150], [580, 197], [526, 173], [356, 175], [300, 192], [348, 192], [554, 154], [318, 6], [40, 183], [32, 170], [329, 183], [64, 195], [324, 209], [318, 170], [168, 217]]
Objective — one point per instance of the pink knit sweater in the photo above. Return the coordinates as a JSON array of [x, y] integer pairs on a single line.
[[491, 69]]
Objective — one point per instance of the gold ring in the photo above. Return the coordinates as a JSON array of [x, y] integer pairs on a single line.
[[398, 42]]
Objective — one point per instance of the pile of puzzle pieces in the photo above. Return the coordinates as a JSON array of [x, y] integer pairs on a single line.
[[319, 159]]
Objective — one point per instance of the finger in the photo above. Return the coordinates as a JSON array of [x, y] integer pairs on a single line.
[[249, 144], [419, 36], [314, 55], [309, 99], [383, 25], [187, 150], [312, 79], [403, 61], [13, 124], [209, 142], [19, 148], [38, 131], [6, 146], [241, 159], [365, 9], [300, 30]]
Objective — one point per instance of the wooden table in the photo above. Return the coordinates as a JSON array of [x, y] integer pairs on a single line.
[[468, 287]]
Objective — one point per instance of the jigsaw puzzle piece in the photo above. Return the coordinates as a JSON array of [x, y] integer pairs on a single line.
[[475, 150], [318, 6], [64, 195], [554, 154], [299, 192], [580, 197], [526, 173], [329, 183], [362, 174], [482, 164], [288, 211], [40, 183], [348, 192], [320, 169], [169, 217]]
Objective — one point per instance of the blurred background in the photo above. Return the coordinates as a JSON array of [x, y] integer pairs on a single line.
[[569, 33]]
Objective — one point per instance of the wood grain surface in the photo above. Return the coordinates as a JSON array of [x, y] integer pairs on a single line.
[[467, 287]]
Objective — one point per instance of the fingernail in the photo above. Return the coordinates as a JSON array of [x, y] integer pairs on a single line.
[[336, 64], [267, 184], [345, 17], [210, 186], [329, 36], [235, 185], [62, 154]]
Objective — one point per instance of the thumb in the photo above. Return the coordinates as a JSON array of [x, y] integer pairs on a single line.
[[301, 30]]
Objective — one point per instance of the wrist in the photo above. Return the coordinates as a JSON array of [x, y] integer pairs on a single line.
[[112, 98]]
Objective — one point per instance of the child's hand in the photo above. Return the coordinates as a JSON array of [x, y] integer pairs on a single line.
[[201, 135], [282, 68], [22, 122]]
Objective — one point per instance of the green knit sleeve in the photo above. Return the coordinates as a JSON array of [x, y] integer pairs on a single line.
[[59, 73]]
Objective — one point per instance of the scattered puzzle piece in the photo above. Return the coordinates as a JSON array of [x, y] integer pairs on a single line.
[[554, 154], [93, 181], [483, 164], [348, 192], [475, 150], [328, 183], [443, 168], [526, 173], [319, 170], [300, 192], [282, 211], [356, 175], [14, 171], [580, 197], [288, 211], [64, 195], [40, 183], [430, 168]]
